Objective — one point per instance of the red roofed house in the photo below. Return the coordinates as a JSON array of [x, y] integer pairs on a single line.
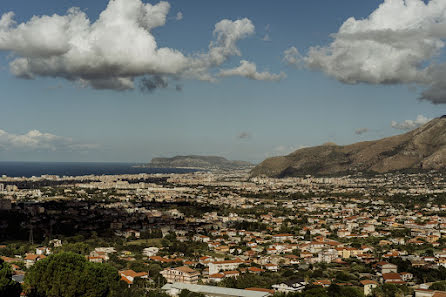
[[216, 277], [31, 259], [322, 282], [129, 276], [282, 237], [182, 274], [217, 266], [368, 285], [393, 278]]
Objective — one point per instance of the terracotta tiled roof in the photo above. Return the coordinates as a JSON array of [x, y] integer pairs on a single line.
[[123, 278], [368, 282], [261, 290], [217, 275]]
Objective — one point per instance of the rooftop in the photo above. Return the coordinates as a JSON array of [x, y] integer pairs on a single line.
[[211, 290]]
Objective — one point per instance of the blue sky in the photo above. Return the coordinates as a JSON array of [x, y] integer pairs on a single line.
[[235, 117]]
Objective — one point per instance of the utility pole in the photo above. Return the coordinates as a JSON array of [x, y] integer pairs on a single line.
[[31, 236]]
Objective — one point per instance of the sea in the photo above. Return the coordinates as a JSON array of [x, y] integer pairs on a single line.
[[29, 169]]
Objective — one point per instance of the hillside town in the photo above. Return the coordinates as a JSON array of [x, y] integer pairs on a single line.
[[228, 234]]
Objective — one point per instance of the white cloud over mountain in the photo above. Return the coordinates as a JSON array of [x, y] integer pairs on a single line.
[[114, 50], [400, 42], [36, 140], [408, 125]]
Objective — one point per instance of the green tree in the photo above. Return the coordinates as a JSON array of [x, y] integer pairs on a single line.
[[8, 287], [439, 286], [69, 275], [338, 291], [77, 248], [187, 293]]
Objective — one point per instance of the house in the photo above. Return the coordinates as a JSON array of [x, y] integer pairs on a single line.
[[183, 274], [429, 293], [290, 286], [31, 259], [201, 238], [261, 290], [406, 276], [291, 259], [95, 259], [386, 267], [204, 260], [99, 255], [368, 285], [282, 237], [217, 266], [343, 233], [255, 270], [216, 277], [233, 273], [271, 267], [129, 276], [393, 278], [43, 251], [150, 251], [323, 282], [55, 243]]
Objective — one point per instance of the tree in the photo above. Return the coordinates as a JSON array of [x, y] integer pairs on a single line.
[[8, 287], [338, 291], [77, 248], [439, 286], [390, 290], [187, 293], [70, 274]]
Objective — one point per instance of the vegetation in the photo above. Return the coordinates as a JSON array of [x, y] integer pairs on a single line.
[[8, 287], [70, 274]]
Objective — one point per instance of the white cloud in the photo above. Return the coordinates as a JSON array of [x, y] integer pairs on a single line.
[[283, 150], [113, 51], [244, 135], [266, 37], [410, 124], [293, 57], [249, 70], [397, 43], [361, 131], [36, 140], [179, 16]]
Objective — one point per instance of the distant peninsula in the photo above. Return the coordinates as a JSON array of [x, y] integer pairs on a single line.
[[198, 162]]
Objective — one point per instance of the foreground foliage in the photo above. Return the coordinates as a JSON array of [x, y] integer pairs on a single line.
[[69, 275], [8, 287]]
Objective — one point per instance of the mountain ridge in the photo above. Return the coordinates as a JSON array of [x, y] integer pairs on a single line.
[[423, 148], [199, 162]]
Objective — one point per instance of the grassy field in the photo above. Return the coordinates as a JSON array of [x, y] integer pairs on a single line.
[[149, 242]]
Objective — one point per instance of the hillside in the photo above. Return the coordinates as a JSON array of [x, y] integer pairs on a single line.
[[421, 149], [199, 162]]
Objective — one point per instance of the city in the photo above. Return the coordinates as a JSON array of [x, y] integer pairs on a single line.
[[169, 232], [255, 148]]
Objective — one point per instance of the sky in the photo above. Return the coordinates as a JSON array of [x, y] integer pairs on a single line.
[[129, 80]]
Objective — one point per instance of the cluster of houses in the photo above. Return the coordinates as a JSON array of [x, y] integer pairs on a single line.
[[257, 226]]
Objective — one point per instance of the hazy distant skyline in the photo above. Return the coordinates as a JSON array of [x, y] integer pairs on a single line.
[[241, 79]]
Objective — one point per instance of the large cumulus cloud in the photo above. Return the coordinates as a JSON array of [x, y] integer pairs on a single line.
[[114, 50], [400, 42]]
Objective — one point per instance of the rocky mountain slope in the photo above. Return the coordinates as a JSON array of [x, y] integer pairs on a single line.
[[421, 149]]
